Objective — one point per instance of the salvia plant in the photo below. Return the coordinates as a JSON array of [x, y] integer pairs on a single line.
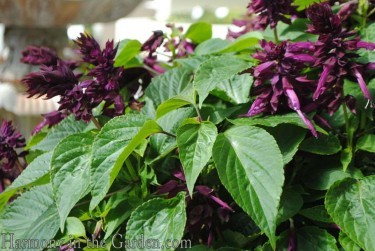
[[262, 141]]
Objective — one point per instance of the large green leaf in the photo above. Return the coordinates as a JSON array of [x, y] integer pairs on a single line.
[[347, 243], [128, 49], [65, 128], [168, 85], [235, 90], [247, 158], [214, 71], [199, 32], [112, 146], [195, 141], [367, 143], [315, 239], [323, 145], [70, 172], [33, 216], [351, 204], [36, 173], [159, 219]]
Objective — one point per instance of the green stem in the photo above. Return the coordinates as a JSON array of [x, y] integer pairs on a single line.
[[198, 113], [347, 126], [169, 134], [131, 169], [276, 36], [96, 122]]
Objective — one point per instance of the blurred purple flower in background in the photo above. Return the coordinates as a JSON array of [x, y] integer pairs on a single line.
[[10, 140], [39, 56]]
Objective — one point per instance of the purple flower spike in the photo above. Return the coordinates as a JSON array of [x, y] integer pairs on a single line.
[[271, 12], [39, 56], [51, 81], [9, 141], [89, 48]]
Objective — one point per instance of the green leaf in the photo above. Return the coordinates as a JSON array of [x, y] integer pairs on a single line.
[[235, 90], [168, 85], [274, 120], [315, 239], [321, 173], [183, 99], [70, 172], [347, 243], [367, 35], [36, 173], [351, 204], [288, 138], [244, 42], [317, 213], [74, 228], [35, 139], [323, 145], [112, 146], [32, 216], [214, 71], [366, 143], [346, 158], [158, 219], [246, 158], [199, 32], [211, 46], [195, 141], [291, 203], [127, 50], [65, 128], [303, 4]]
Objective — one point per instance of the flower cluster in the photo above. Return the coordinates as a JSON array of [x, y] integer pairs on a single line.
[[335, 52], [280, 79], [176, 45], [270, 12], [78, 94], [203, 209], [10, 140]]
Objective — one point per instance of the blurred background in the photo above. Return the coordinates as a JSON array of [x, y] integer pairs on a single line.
[[55, 23]]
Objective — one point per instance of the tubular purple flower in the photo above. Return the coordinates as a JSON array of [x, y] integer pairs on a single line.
[[322, 81], [366, 45], [89, 48], [154, 42], [362, 83], [50, 119]]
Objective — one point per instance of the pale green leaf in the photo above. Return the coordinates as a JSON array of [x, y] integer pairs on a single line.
[[195, 141], [366, 143], [112, 146], [70, 172], [127, 50], [32, 216], [214, 71], [246, 158], [159, 219], [351, 204], [346, 243], [199, 32]]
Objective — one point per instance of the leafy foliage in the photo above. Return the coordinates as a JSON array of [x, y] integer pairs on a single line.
[[212, 149]]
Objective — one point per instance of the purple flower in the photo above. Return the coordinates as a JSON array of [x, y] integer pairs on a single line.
[[50, 119], [39, 56], [89, 48], [335, 54], [51, 81], [245, 25], [154, 42], [270, 12], [278, 78], [9, 141]]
